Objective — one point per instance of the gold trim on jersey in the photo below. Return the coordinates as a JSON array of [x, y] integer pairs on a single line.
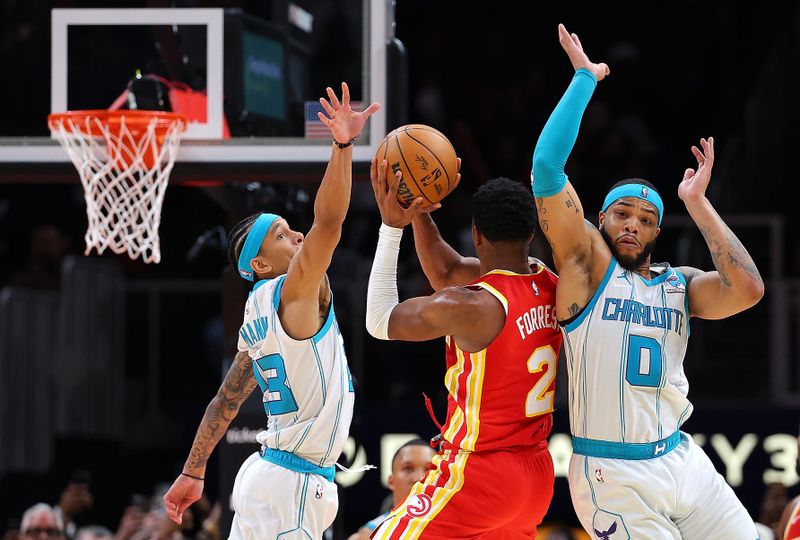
[[540, 268], [441, 496], [473, 399], [494, 292]]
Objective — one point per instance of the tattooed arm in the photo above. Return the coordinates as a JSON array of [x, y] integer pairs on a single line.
[[235, 389], [736, 285], [579, 251]]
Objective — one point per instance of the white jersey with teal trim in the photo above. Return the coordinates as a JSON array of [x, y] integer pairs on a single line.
[[624, 355], [306, 384]]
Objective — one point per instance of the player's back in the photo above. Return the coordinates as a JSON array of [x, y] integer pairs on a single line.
[[624, 354], [306, 385], [502, 396]]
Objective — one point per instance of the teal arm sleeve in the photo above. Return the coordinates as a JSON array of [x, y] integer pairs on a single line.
[[559, 135]]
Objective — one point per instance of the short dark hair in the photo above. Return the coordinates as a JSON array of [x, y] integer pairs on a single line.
[[237, 237], [504, 211], [636, 181], [412, 442]]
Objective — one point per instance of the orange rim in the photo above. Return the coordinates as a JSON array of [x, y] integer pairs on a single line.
[[135, 120]]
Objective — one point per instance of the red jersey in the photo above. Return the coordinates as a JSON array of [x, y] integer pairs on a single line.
[[502, 396]]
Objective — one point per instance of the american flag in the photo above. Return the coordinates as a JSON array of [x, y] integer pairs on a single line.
[[315, 129]]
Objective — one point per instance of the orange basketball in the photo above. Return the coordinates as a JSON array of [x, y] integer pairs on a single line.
[[425, 157]]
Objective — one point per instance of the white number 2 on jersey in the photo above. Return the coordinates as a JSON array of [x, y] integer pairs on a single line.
[[540, 398]]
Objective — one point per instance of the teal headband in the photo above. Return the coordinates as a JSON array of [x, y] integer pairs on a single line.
[[640, 192], [252, 244]]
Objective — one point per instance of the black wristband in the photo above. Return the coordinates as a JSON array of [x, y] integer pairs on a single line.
[[193, 477], [344, 145]]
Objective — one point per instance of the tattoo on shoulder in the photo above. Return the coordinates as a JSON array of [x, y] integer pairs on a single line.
[[574, 309]]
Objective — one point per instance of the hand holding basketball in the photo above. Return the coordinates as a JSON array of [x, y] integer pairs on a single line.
[[572, 46], [392, 212], [425, 158], [344, 123]]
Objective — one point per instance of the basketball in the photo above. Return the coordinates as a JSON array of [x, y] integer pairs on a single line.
[[425, 157]]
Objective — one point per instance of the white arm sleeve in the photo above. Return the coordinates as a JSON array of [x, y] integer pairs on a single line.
[[382, 288]]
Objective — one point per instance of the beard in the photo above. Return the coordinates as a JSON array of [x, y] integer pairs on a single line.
[[626, 261]]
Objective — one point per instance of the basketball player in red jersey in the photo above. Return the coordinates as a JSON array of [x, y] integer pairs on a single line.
[[493, 477]]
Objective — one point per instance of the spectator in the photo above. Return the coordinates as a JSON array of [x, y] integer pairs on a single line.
[[409, 465], [93, 532], [74, 501], [41, 522]]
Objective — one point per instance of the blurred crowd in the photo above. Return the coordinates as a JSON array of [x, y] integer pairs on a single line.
[[143, 519]]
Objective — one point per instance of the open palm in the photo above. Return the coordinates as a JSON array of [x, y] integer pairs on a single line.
[[345, 123]]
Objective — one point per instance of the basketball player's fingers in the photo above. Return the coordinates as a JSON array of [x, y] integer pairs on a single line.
[[565, 40], [458, 164], [328, 107], [372, 109], [394, 185], [563, 35], [415, 208], [710, 150], [373, 179], [688, 173], [333, 98], [706, 148], [698, 154], [324, 119], [428, 209], [458, 181], [577, 41], [345, 95], [373, 173], [383, 184]]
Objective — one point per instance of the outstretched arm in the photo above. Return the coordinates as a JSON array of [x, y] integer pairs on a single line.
[[304, 279], [235, 389], [736, 285], [560, 211], [453, 311], [443, 266], [473, 317]]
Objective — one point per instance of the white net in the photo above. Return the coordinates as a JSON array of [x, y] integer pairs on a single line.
[[124, 168]]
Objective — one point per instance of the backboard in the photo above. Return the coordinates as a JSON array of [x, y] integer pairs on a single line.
[[250, 75]]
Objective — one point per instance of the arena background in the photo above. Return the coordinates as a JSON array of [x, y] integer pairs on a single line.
[[106, 364]]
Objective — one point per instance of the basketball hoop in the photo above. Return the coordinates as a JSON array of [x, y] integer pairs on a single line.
[[124, 158]]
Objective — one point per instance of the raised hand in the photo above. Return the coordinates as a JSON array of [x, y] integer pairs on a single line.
[[392, 212], [694, 183], [344, 123], [572, 46]]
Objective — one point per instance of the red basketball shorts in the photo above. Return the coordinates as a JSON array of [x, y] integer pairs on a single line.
[[499, 494]]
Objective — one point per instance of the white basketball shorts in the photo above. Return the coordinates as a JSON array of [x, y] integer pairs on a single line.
[[271, 502]]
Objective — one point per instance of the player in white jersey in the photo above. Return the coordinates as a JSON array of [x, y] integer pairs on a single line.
[[633, 473], [290, 346]]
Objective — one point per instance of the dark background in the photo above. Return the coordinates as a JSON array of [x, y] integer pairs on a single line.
[[487, 75]]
